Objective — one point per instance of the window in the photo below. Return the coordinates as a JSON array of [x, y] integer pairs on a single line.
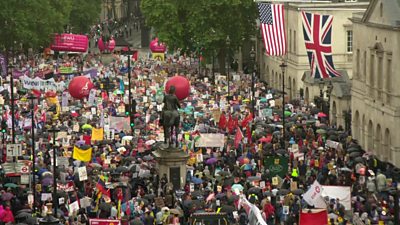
[[357, 73], [294, 41], [349, 41], [350, 0], [290, 40]]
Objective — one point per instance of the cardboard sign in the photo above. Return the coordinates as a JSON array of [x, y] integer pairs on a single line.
[[24, 178], [293, 186], [275, 181], [104, 222], [159, 202], [82, 173], [46, 197]]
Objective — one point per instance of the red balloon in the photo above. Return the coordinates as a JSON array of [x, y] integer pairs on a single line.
[[80, 87], [157, 47], [182, 86], [111, 45], [100, 44]]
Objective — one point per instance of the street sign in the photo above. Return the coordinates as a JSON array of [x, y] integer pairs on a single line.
[[24, 169], [14, 150]]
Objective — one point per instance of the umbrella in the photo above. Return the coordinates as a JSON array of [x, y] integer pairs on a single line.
[[246, 167], [122, 169], [321, 131], [283, 192], [254, 190], [355, 154], [211, 161], [298, 191], [253, 178], [96, 165], [176, 212], [196, 180], [238, 187], [118, 92], [150, 142], [321, 115], [224, 173], [7, 196], [87, 126], [244, 160], [47, 181], [105, 206], [346, 169], [267, 194], [11, 185], [288, 113], [148, 158]]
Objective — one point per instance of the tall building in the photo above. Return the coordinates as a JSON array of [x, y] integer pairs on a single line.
[[298, 82], [376, 74]]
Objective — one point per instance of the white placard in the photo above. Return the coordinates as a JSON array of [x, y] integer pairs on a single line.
[[82, 173], [14, 150], [24, 178]]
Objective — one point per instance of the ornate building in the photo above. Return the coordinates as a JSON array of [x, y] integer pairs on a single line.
[[375, 94], [298, 82]]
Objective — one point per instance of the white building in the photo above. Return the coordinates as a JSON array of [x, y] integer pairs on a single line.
[[376, 74], [297, 73]]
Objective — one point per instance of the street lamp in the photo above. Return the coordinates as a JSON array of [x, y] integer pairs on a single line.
[[129, 53], [253, 61], [32, 98], [321, 93], [10, 71], [228, 43], [54, 130], [283, 68]]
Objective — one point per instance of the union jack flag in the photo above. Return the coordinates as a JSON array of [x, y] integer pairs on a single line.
[[317, 31]]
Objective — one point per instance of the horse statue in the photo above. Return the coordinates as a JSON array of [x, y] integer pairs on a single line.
[[170, 118]]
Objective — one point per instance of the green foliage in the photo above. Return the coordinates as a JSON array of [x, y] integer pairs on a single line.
[[205, 24], [84, 13], [33, 22]]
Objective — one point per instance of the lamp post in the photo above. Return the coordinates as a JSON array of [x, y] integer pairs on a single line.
[[10, 70], [329, 90], [54, 130], [129, 53], [32, 98], [283, 68], [228, 43], [253, 74], [321, 93]]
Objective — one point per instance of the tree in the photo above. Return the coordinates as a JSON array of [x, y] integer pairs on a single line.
[[31, 23], [84, 14], [202, 25]]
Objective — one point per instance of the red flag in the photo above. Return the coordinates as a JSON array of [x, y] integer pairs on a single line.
[[238, 137], [222, 122], [246, 120], [248, 134], [318, 218], [230, 123]]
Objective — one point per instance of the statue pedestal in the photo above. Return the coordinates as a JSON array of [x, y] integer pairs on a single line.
[[172, 161]]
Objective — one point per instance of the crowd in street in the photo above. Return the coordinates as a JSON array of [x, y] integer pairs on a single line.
[[263, 161]]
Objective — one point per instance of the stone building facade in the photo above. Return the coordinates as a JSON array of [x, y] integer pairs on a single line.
[[376, 75], [297, 79]]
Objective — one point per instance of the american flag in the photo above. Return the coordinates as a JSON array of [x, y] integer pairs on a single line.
[[273, 28], [317, 31]]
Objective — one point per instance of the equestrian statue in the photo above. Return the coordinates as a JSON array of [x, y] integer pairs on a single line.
[[170, 118]]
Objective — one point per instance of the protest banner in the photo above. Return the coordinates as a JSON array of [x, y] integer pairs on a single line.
[[313, 196], [343, 193], [119, 123], [104, 222], [40, 84], [332, 144], [211, 141], [277, 165], [315, 217]]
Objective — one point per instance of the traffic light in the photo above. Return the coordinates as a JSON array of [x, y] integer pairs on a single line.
[[3, 126], [132, 119], [127, 110]]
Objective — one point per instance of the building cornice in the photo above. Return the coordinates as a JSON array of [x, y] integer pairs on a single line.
[[375, 25]]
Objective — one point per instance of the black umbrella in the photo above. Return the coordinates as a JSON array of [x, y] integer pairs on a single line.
[[105, 206], [359, 160], [298, 191], [267, 194], [122, 169], [355, 154], [254, 190], [283, 192]]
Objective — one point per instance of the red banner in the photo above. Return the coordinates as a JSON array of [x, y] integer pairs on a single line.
[[104, 222], [70, 43], [314, 218]]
